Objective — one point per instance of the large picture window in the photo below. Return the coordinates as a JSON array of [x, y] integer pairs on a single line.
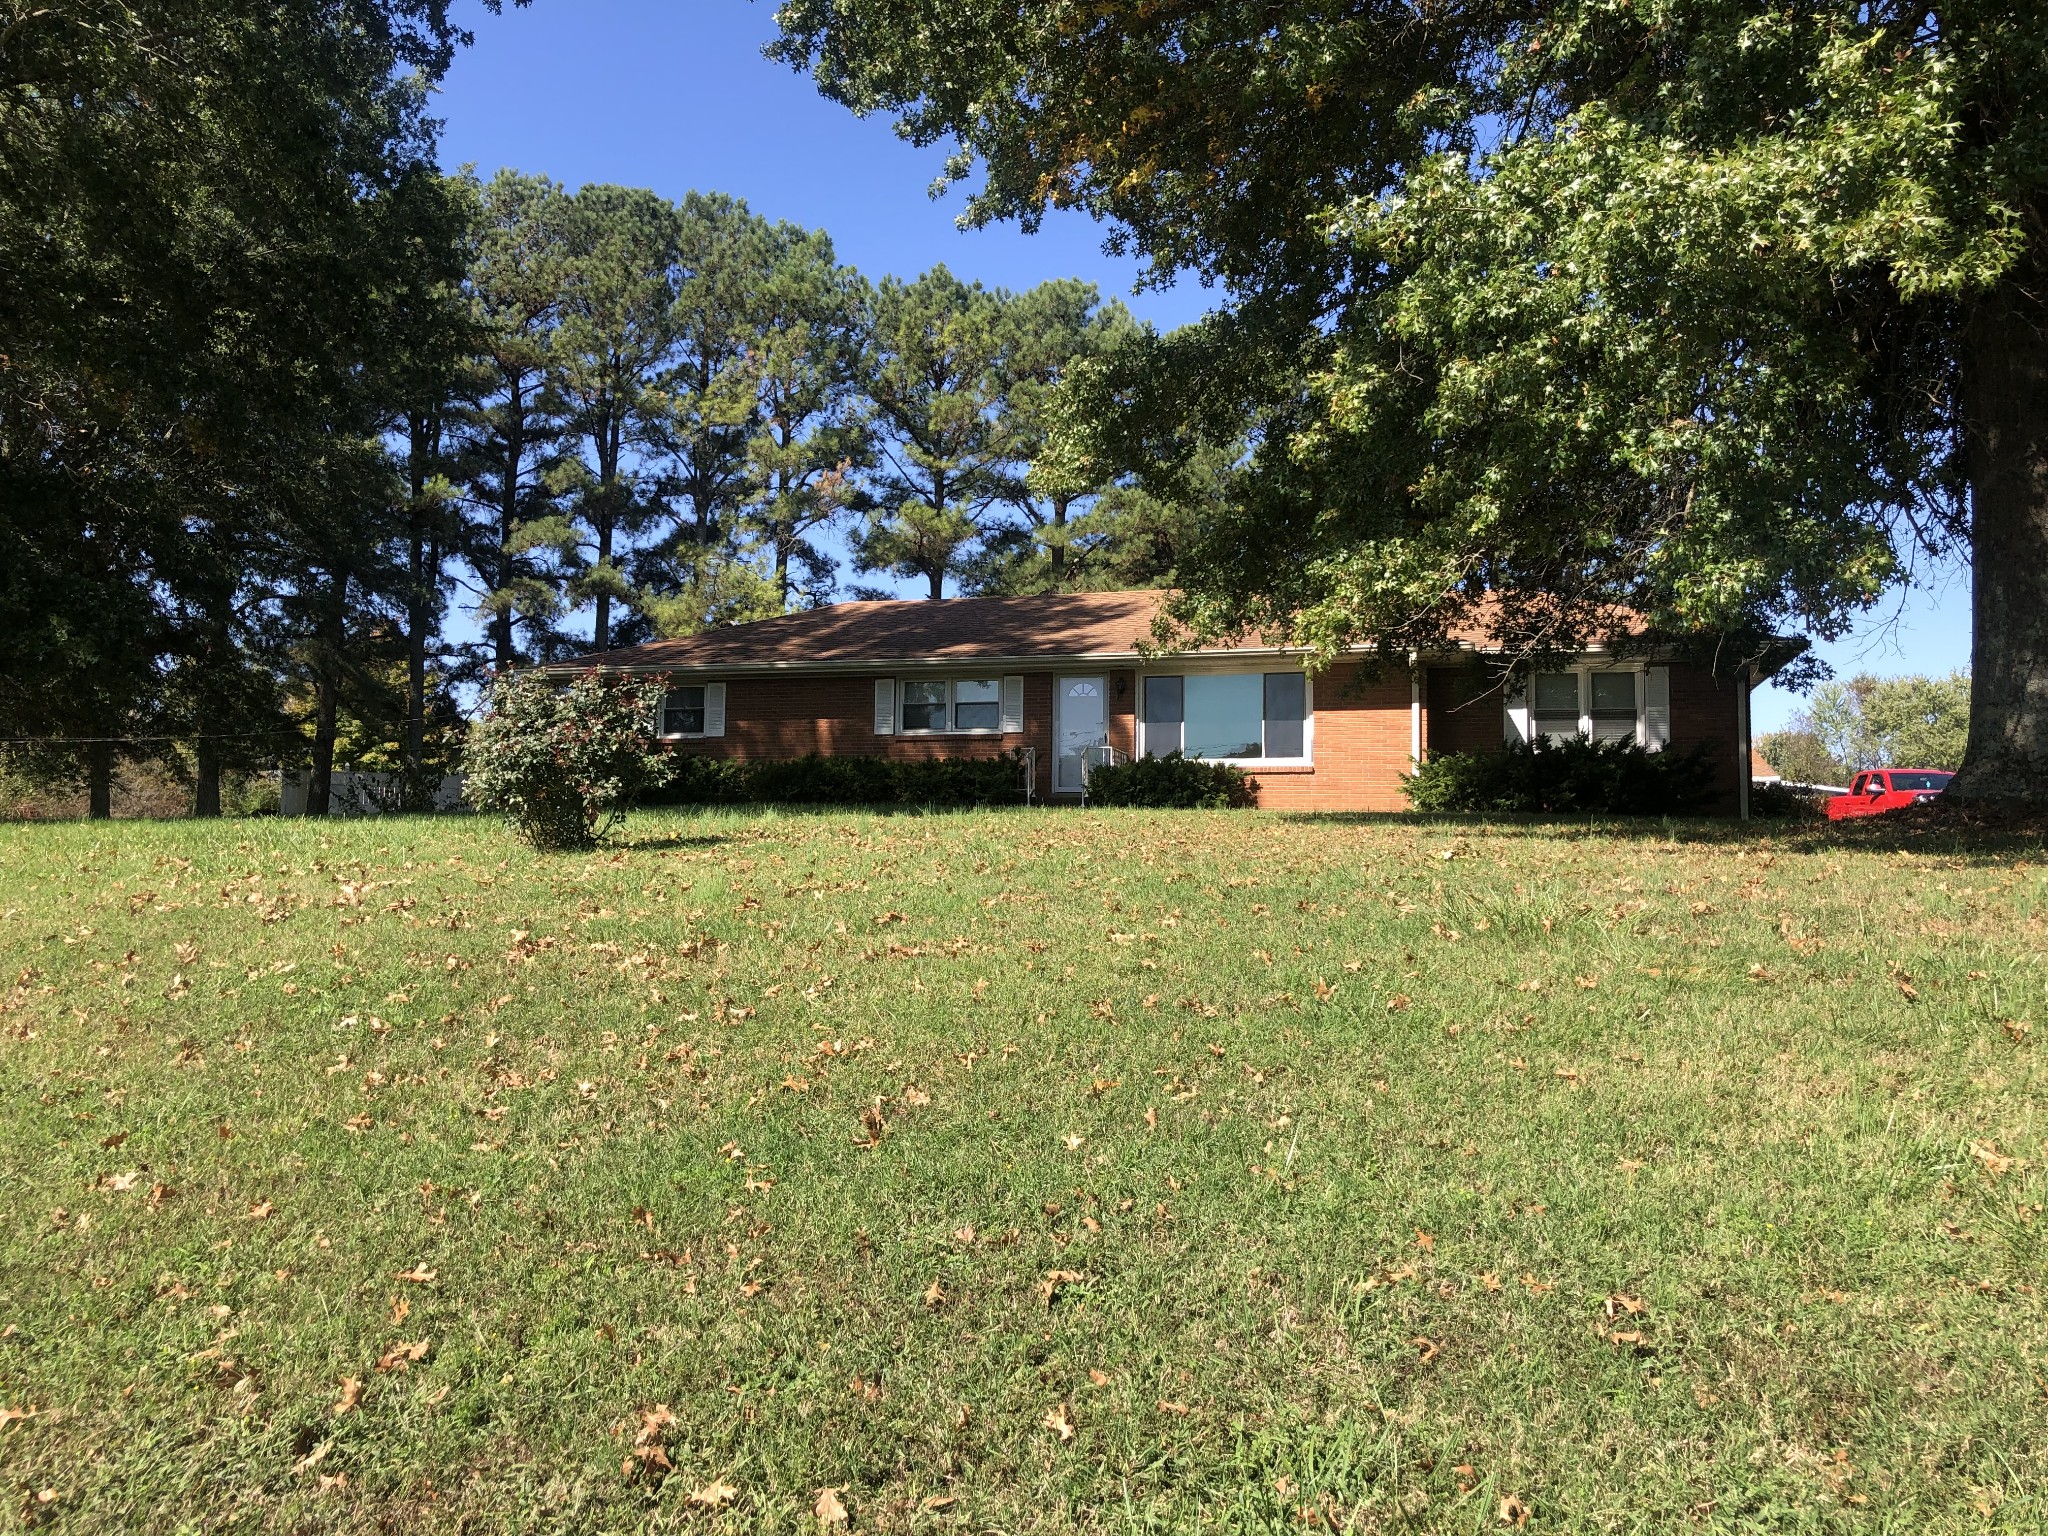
[[959, 704], [1228, 716]]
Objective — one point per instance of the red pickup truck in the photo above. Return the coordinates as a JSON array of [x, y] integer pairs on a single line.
[[1887, 789]]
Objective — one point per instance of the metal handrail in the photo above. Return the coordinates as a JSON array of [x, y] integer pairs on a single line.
[[1104, 756]]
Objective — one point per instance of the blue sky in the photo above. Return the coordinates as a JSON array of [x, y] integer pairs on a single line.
[[674, 95]]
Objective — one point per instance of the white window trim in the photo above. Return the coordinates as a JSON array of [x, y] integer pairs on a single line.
[[714, 712], [952, 702], [1308, 716], [1519, 720]]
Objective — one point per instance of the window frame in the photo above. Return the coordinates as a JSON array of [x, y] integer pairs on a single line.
[[1308, 714], [703, 711], [951, 681], [1583, 674]]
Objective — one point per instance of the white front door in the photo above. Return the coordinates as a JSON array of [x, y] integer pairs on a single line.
[[1079, 723]]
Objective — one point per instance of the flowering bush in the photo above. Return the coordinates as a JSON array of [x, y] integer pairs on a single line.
[[565, 763]]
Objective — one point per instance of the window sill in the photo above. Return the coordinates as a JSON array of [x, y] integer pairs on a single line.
[[960, 733]]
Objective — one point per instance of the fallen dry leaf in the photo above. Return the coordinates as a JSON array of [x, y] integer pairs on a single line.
[[1054, 1279], [1619, 1305], [1058, 1421], [1513, 1512], [1426, 1241], [403, 1355], [935, 1295], [351, 1395], [261, 1211], [401, 1309], [314, 1457], [1182, 1409], [714, 1495], [1099, 1378], [828, 1509], [419, 1274]]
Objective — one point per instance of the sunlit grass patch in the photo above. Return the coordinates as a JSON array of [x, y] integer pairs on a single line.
[[1021, 1170]]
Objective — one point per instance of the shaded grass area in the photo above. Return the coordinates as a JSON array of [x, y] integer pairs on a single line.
[[1022, 1171]]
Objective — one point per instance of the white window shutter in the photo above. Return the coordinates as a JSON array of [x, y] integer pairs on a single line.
[[1518, 716], [714, 709], [885, 706], [1657, 708], [1013, 705]]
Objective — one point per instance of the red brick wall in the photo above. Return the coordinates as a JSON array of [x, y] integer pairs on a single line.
[[1360, 751], [1466, 712], [1702, 711], [1361, 728]]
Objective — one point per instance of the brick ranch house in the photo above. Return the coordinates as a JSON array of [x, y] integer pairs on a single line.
[[1067, 677]]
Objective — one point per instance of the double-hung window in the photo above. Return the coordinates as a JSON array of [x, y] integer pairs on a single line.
[[1228, 716], [956, 704], [1600, 703], [696, 709]]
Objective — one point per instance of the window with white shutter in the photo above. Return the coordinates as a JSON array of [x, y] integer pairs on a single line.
[[885, 706], [714, 709], [1013, 705], [1656, 708]]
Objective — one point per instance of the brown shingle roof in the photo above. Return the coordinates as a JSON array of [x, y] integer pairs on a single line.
[[959, 628], [1044, 627]]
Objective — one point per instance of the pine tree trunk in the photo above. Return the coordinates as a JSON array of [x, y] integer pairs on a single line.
[[320, 783], [938, 580], [327, 701], [601, 631], [99, 780], [1059, 542], [206, 779], [418, 622], [2005, 406]]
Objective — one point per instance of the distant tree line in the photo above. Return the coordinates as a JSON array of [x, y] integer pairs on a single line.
[[1873, 722], [299, 436]]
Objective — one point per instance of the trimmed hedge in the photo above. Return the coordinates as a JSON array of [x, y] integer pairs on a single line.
[[950, 782], [1171, 782], [1572, 777]]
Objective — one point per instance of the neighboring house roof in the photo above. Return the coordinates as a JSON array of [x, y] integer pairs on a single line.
[[1760, 770], [1060, 626]]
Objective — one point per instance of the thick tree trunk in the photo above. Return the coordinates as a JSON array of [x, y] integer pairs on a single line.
[[206, 779], [938, 580], [99, 780], [2005, 408]]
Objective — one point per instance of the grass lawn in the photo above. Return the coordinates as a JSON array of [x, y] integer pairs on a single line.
[[1022, 1171]]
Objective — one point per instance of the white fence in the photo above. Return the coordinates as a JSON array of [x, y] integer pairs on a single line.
[[361, 794]]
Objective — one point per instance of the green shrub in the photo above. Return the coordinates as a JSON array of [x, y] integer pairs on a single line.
[[1571, 777], [950, 782], [1781, 802], [1171, 782], [565, 764]]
